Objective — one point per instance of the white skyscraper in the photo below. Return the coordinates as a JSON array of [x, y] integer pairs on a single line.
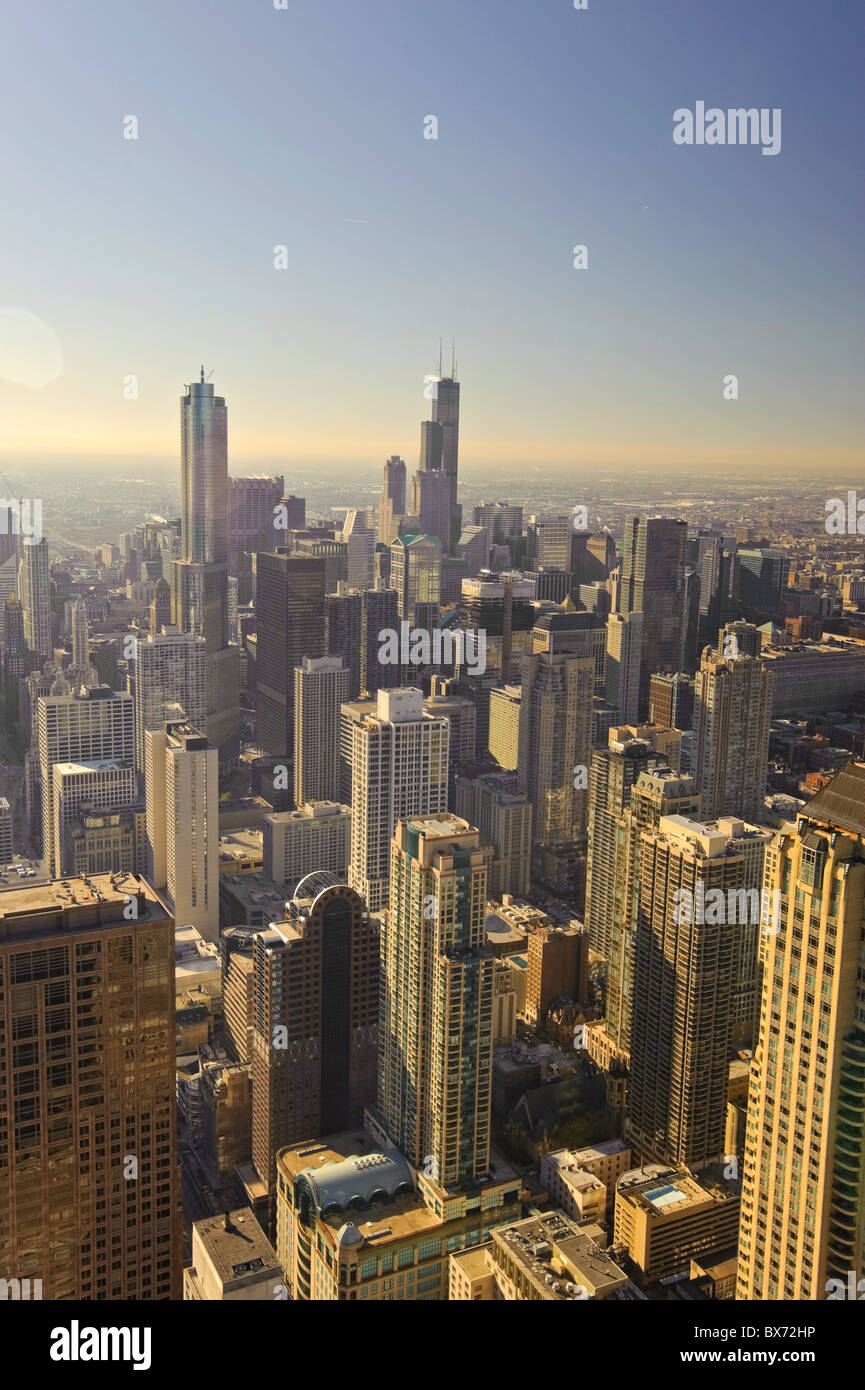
[[169, 670], [104, 785], [624, 641], [399, 768], [35, 594], [89, 726], [182, 792], [320, 689]]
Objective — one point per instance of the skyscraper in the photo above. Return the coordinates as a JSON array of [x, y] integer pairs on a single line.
[[315, 1030], [732, 717], [431, 503], [320, 690], [89, 1197], [416, 575], [555, 743], [614, 771], [88, 726], [35, 590], [624, 648], [289, 621], [182, 790], [200, 579], [392, 505], [803, 1188], [399, 768], [446, 413], [379, 612], [435, 1027], [170, 670], [653, 576], [343, 631], [682, 994]]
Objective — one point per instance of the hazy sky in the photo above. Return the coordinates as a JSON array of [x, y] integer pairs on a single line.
[[305, 127]]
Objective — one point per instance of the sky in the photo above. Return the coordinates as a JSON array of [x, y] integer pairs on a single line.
[[304, 127]]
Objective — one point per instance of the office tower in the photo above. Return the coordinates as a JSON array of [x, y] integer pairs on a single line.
[[653, 577], [6, 847], [503, 816], [472, 550], [593, 558], [732, 716], [80, 638], [574, 634], [321, 687], [236, 949], [14, 643], [88, 726], [671, 700], [392, 506], [160, 607], [614, 771], [690, 621], [289, 622], [682, 993], [655, 794], [200, 579], [435, 1042], [35, 590], [416, 574], [751, 842], [343, 631], [555, 747], [89, 1203], [315, 1034], [293, 511], [739, 639], [549, 541], [315, 836], [501, 521], [333, 551], [431, 492], [624, 647], [803, 1190], [252, 513], [170, 670], [182, 794], [504, 726], [446, 413], [399, 768], [359, 537], [460, 714], [501, 605], [8, 588], [96, 787], [379, 612], [763, 578]]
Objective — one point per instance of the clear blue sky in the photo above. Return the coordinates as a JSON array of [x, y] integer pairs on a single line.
[[305, 127]]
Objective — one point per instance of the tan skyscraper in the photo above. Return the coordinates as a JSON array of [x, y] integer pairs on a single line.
[[182, 793], [320, 689], [88, 1167], [732, 714], [555, 746], [803, 1188], [436, 1000]]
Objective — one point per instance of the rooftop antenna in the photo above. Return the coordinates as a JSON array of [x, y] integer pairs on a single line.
[[440, 356], [202, 371], [453, 361]]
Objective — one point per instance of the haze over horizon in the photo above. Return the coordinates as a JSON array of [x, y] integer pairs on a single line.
[[145, 257]]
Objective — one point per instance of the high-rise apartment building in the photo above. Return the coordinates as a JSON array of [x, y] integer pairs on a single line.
[[89, 1198], [399, 768], [732, 717], [315, 1034], [683, 972], [614, 771], [803, 1189], [379, 612], [93, 786], [315, 836], [170, 670], [555, 746], [289, 622], [435, 1031], [359, 537], [89, 726], [624, 648], [503, 816], [321, 687], [182, 795]]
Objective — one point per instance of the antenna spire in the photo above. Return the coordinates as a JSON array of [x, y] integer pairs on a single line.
[[202, 371], [453, 361], [440, 356]]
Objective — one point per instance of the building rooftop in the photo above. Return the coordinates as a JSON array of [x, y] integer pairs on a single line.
[[83, 904], [562, 1261], [237, 1246], [841, 803]]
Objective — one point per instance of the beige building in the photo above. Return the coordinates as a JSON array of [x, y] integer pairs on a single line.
[[555, 747], [547, 1258], [232, 1260], [564, 1172], [664, 1216], [803, 1191], [355, 1222], [182, 781], [297, 843], [504, 739]]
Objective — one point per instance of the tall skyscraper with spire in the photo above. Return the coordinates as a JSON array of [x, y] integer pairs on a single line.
[[446, 414], [200, 578]]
